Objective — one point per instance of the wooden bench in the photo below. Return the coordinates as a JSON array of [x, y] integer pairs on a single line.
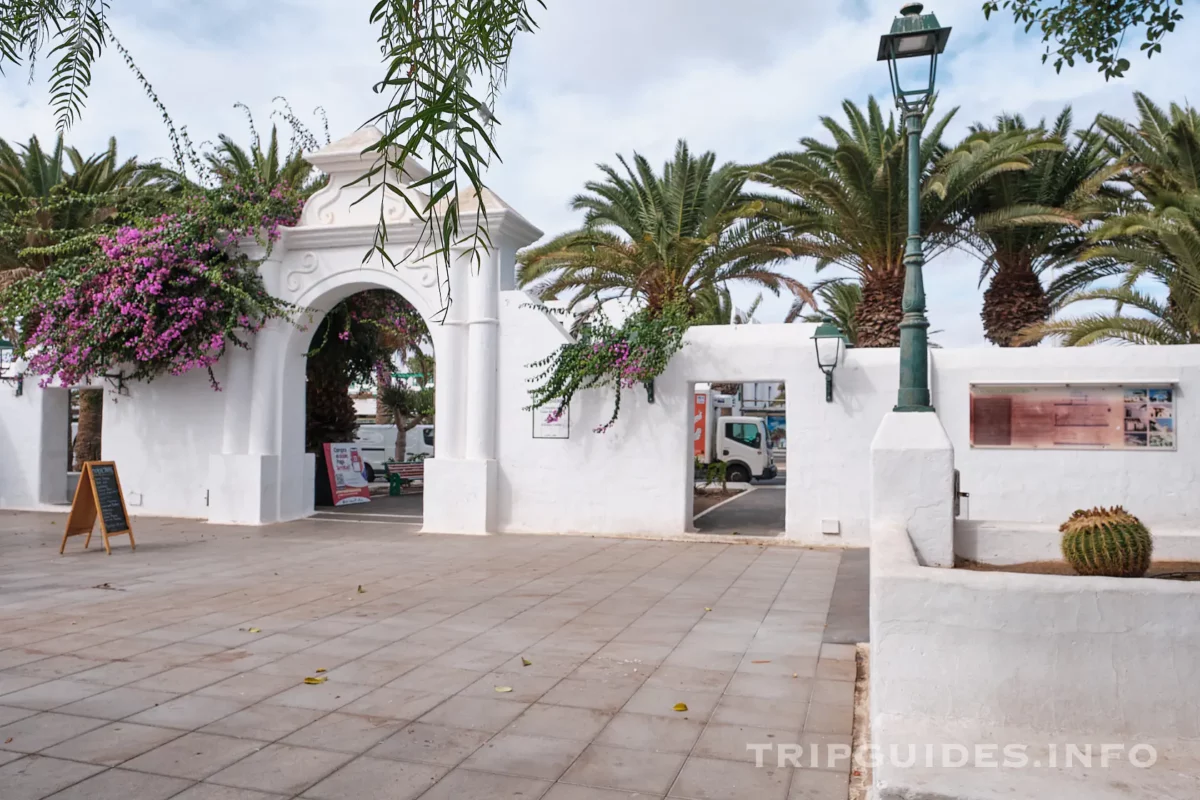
[[401, 473]]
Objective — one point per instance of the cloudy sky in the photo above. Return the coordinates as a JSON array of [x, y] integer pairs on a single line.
[[599, 77]]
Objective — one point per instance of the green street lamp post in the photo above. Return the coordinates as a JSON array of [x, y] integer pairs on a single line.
[[913, 35]]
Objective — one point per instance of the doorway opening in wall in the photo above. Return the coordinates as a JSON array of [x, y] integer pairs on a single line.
[[369, 410], [87, 423], [739, 466]]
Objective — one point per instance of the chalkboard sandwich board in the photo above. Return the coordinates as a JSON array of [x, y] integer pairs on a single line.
[[98, 495]]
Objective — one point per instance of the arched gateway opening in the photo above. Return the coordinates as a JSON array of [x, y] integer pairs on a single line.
[[264, 473], [327, 345]]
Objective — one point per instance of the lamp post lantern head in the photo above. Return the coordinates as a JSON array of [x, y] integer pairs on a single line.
[[913, 35], [829, 340]]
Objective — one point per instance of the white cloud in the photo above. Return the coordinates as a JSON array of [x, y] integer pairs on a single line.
[[743, 79]]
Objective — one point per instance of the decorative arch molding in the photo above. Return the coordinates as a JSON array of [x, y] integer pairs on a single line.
[[262, 474]]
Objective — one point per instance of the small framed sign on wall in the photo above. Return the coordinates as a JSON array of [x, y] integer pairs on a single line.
[[550, 423]]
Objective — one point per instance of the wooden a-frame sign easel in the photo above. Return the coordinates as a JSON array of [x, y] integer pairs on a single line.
[[98, 497]]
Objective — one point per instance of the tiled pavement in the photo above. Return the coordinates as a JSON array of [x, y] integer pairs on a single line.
[[156, 687]]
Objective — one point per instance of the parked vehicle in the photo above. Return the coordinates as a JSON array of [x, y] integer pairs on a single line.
[[741, 442], [377, 443], [418, 442]]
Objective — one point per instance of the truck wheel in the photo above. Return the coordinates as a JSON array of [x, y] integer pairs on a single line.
[[370, 474], [737, 473]]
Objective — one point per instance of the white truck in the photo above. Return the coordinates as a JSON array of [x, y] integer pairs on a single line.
[[377, 443], [741, 442]]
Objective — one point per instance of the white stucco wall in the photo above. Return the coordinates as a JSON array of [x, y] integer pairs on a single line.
[[161, 436], [34, 443], [1047, 485], [999, 542], [986, 657], [634, 477], [1044, 652]]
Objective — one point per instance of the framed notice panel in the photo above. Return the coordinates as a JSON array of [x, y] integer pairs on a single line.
[[1072, 416], [548, 423]]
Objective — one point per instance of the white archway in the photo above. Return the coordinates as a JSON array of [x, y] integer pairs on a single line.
[[262, 474]]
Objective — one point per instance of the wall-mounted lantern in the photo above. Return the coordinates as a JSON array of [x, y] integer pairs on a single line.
[[829, 341]]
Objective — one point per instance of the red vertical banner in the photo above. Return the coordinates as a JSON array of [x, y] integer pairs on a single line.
[[699, 423], [347, 478]]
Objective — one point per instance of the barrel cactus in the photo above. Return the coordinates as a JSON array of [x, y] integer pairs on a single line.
[[1106, 541]]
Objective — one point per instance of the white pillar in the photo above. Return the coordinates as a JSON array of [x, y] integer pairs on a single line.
[[483, 309], [238, 387], [264, 401], [450, 352], [912, 483]]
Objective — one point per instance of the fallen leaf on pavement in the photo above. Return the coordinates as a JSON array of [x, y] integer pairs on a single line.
[[525, 662], [256, 630], [9, 739], [315, 681], [322, 669], [361, 590], [680, 707], [706, 608], [763, 661], [503, 689]]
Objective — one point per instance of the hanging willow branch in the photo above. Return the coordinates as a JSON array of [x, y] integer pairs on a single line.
[[436, 52], [446, 61]]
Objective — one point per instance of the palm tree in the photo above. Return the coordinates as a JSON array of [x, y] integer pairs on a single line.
[[659, 238], [1161, 246], [1026, 223], [1162, 148], [52, 200], [51, 206], [231, 164], [839, 299], [845, 203], [1154, 240], [715, 306]]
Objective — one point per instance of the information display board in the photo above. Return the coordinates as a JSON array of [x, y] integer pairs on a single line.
[[1109, 417]]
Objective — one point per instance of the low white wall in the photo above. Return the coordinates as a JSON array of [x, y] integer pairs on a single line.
[[161, 436], [991, 542], [956, 650]]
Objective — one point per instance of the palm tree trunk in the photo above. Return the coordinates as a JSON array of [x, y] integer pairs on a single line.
[[1014, 300], [383, 380], [330, 411], [91, 422], [879, 311], [401, 430]]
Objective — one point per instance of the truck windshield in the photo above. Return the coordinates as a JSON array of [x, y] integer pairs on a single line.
[[744, 433]]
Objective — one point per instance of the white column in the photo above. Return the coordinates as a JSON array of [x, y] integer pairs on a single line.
[[450, 352], [239, 379], [483, 309], [265, 393]]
